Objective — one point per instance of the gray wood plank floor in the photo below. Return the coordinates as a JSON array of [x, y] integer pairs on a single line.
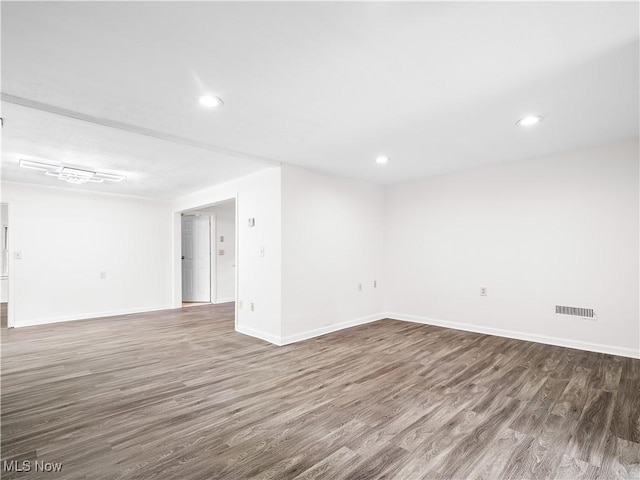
[[3, 314], [180, 395]]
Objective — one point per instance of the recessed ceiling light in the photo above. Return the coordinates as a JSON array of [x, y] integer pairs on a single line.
[[210, 101], [529, 120], [381, 160]]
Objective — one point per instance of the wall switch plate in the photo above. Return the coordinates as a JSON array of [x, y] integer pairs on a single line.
[[103, 275], [375, 284], [262, 251], [253, 306], [252, 222], [359, 287], [17, 255], [221, 238], [220, 252], [483, 291]]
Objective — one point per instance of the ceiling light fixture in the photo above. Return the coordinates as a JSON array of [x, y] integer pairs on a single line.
[[44, 167], [529, 120], [71, 174], [381, 160], [210, 101]]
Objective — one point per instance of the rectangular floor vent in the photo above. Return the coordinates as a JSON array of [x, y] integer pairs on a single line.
[[576, 311]]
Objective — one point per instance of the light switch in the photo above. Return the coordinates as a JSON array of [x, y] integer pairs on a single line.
[[17, 255]]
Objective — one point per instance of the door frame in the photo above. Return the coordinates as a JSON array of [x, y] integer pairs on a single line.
[[11, 304], [177, 249], [211, 265]]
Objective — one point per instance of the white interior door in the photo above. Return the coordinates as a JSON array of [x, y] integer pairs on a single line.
[[196, 259]]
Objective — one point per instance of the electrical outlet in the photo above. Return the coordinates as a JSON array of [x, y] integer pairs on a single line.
[[103, 275], [483, 291], [262, 251], [220, 252], [375, 284], [253, 306]]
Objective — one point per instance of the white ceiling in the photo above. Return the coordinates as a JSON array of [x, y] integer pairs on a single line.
[[153, 167], [436, 86]]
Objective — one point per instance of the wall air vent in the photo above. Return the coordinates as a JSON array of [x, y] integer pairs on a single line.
[[576, 311]]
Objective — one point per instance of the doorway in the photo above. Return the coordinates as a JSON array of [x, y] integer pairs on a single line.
[[196, 258], [208, 254]]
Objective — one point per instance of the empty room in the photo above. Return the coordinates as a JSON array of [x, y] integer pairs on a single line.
[[320, 240]]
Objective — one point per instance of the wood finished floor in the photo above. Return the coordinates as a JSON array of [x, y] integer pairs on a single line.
[[3, 314], [180, 395]]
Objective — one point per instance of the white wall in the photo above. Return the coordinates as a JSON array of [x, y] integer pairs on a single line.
[[561, 230], [4, 258], [225, 285], [259, 277], [223, 279], [68, 237], [332, 240]]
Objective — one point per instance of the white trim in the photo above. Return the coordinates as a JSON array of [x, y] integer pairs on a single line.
[[258, 334], [236, 280], [11, 307], [177, 259], [530, 337], [224, 300], [331, 328], [213, 258], [89, 316]]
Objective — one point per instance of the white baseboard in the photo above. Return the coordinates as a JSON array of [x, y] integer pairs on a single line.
[[224, 300], [267, 337], [277, 340], [330, 328], [308, 334], [530, 337], [88, 316]]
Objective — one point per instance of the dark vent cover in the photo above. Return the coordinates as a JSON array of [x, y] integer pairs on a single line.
[[576, 311]]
